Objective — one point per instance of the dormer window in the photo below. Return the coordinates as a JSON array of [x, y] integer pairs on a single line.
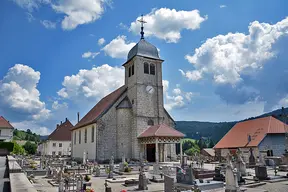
[[146, 68], [152, 69]]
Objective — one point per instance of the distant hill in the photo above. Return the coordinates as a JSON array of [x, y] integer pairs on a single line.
[[43, 137], [215, 131], [22, 136]]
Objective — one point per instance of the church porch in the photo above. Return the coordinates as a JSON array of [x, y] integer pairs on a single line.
[[156, 140], [159, 149]]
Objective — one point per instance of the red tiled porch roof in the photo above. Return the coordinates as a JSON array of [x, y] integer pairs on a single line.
[[161, 130]]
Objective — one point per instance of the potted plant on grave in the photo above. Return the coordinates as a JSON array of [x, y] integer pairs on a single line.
[[89, 190], [87, 178]]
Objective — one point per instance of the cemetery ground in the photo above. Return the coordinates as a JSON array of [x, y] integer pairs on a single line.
[[43, 184]]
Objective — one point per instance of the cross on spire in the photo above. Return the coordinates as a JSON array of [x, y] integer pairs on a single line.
[[142, 26]]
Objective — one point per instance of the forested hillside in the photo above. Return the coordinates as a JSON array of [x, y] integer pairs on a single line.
[[26, 135], [215, 131]]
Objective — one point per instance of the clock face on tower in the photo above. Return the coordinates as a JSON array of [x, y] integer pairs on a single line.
[[150, 89]]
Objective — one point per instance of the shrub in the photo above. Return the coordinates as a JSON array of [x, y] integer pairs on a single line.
[[127, 169], [7, 145]]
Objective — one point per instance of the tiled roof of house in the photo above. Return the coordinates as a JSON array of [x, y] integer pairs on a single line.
[[4, 123], [209, 151], [62, 132], [161, 130], [100, 108], [250, 133]]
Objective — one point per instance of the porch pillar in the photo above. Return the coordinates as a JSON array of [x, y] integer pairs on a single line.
[[165, 152], [181, 153], [156, 151]]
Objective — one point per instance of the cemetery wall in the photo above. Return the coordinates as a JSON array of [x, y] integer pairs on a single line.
[[89, 146], [275, 142]]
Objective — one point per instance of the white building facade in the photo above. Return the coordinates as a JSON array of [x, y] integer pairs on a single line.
[[6, 130]]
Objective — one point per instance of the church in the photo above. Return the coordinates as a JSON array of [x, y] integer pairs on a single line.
[[131, 121]]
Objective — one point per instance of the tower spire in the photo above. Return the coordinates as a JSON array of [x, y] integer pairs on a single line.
[[142, 26]]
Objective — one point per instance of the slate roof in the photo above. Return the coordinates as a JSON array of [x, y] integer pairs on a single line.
[[145, 49], [62, 132], [4, 123], [257, 129], [161, 130], [100, 108]]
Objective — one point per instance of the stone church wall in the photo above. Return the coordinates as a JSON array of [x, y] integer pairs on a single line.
[[107, 133], [124, 145]]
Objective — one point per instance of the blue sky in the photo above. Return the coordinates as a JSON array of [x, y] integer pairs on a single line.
[[224, 60]]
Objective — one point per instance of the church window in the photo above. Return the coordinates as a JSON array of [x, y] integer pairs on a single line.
[[75, 138], [92, 134], [129, 72], [150, 122], [132, 68], [146, 68], [79, 136], [85, 136], [152, 69]]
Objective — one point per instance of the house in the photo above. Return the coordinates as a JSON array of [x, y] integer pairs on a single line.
[[208, 152], [59, 141], [261, 134], [131, 121], [6, 130]]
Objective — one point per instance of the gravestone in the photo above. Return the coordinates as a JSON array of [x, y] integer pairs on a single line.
[[96, 171], [142, 177], [261, 172], [111, 167], [185, 177], [252, 160], [218, 175], [168, 184], [231, 177], [122, 164], [240, 164], [84, 158]]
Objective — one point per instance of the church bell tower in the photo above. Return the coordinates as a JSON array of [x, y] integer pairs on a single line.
[[143, 78]]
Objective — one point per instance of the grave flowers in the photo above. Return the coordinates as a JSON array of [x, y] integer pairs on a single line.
[[87, 178]]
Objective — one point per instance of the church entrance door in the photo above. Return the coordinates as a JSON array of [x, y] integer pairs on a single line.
[[150, 151]]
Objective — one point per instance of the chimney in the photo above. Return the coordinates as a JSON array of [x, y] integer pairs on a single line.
[[66, 119], [57, 125], [78, 117], [61, 123]]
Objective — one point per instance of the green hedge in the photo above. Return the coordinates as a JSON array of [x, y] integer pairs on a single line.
[[7, 145]]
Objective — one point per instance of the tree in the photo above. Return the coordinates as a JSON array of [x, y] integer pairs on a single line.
[[29, 131], [18, 149], [201, 144], [31, 148], [211, 144]]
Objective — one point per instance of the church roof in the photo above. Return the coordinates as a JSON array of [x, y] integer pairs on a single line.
[[161, 130], [145, 49], [62, 132], [250, 133], [100, 108], [4, 123]]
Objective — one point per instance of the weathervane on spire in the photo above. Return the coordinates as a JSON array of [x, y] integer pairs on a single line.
[[142, 26]]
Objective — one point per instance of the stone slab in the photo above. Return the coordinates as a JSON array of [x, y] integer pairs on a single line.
[[120, 180], [20, 183]]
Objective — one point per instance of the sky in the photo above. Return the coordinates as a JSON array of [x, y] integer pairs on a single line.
[[224, 60]]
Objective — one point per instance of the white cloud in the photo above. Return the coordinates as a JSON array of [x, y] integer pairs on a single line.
[[227, 57], [56, 105], [19, 93], [92, 84], [90, 54], [192, 75], [78, 12], [177, 100], [30, 5], [48, 24], [101, 41], [167, 23], [33, 126], [30, 17], [118, 48], [223, 6]]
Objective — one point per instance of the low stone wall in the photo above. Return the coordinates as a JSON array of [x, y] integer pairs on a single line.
[[18, 180]]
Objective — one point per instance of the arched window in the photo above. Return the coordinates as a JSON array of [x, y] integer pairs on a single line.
[[152, 69], [150, 122], [146, 68]]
